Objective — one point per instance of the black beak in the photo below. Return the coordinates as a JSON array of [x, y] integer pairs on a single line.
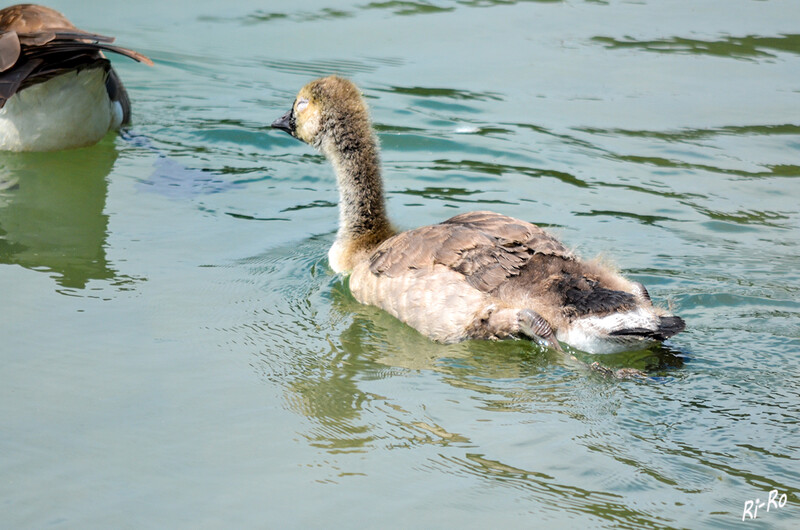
[[285, 123]]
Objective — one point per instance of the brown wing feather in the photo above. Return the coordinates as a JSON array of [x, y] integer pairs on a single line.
[[37, 43], [487, 248], [31, 18], [9, 50]]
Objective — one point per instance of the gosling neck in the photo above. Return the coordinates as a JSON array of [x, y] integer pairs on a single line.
[[362, 209]]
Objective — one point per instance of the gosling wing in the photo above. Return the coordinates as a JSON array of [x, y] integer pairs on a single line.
[[486, 248]]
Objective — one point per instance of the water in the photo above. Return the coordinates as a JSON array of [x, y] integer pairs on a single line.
[[176, 352]]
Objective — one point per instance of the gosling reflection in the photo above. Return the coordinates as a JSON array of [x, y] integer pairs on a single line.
[[346, 347], [375, 346], [400, 346], [52, 212], [394, 344]]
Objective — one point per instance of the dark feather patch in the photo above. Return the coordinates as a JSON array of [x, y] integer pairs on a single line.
[[586, 297], [10, 81], [569, 285], [668, 326]]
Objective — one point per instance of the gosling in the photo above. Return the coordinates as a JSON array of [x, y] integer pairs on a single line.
[[478, 275], [57, 89]]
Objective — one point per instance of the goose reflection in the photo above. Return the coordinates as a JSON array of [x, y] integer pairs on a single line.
[[400, 346], [52, 215]]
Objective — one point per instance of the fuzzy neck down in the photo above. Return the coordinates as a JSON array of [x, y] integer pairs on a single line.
[[363, 223]]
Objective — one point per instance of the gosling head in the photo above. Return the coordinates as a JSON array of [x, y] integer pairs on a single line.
[[328, 112]]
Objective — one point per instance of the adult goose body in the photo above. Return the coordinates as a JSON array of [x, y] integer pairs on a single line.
[[478, 275], [57, 89]]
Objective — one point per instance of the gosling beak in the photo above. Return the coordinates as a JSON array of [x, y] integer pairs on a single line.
[[285, 123]]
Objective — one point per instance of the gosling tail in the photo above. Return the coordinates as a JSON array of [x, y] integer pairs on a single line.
[[667, 327]]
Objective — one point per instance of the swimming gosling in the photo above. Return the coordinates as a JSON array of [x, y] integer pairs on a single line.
[[57, 89], [478, 275]]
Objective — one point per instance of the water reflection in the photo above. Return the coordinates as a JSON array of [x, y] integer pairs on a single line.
[[324, 67], [400, 346], [172, 178], [404, 7], [260, 16], [774, 170], [369, 383], [303, 16], [690, 135], [436, 92], [410, 8], [449, 194], [470, 364], [571, 499], [644, 219], [748, 47], [328, 350], [52, 215], [501, 169]]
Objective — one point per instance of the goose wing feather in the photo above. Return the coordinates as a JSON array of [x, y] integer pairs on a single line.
[[37, 43]]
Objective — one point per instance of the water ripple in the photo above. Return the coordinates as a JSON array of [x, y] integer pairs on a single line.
[[448, 93], [547, 491], [749, 47], [773, 170], [501, 169], [691, 135], [325, 67]]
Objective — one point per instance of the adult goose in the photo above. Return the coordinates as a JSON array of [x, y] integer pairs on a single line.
[[57, 89], [478, 275]]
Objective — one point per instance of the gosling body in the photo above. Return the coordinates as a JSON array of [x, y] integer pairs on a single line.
[[57, 89], [478, 275]]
